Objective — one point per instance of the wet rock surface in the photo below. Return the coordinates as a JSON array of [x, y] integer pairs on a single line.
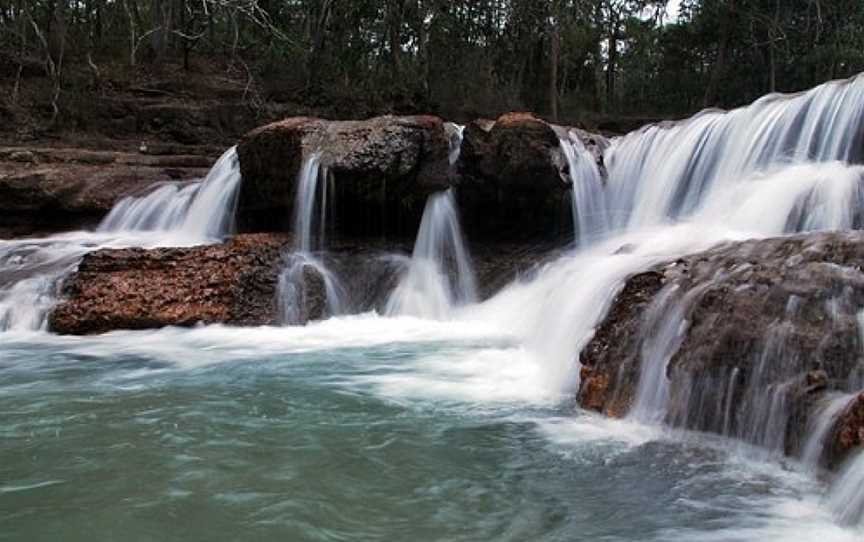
[[234, 283], [513, 178], [238, 283], [384, 169], [766, 327]]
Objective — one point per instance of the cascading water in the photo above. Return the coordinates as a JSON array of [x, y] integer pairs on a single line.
[[171, 215], [764, 170], [665, 171], [202, 210], [823, 420], [295, 298], [590, 213], [846, 498], [308, 182], [427, 290], [455, 135], [427, 394]]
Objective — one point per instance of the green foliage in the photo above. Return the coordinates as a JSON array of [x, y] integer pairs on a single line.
[[461, 57]]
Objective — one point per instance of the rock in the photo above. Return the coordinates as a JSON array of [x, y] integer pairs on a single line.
[[384, 169], [23, 156], [255, 279], [608, 382], [765, 327], [232, 283], [847, 434], [514, 178], [71, 188]]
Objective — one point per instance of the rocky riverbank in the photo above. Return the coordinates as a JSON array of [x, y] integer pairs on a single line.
[[748, 338]]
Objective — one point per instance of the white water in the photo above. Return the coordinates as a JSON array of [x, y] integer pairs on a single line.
[[308, 181], [427, 290], [455, 134], [847, 494], [199, 210], [590, 213], [293, 291], [663, 171], [310, 204], [171, 215], [823, 419]]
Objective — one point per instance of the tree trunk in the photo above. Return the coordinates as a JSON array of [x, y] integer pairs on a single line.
[[554, 59], [612, 65], [159, 38]]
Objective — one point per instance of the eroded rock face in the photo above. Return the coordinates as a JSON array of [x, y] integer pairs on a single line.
[[384, 169], [64, 188], [764, 328], [514, 179], [233, 283]]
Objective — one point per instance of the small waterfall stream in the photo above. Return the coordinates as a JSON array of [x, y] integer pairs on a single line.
[[169, 215], [302, 265], [590, 212], [199, 210], [427, 289], [846, 498]]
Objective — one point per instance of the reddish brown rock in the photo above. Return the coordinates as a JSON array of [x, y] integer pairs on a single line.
[[233, 283], [848, 432], [604, 387]]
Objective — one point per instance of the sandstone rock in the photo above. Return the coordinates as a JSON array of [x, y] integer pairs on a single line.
[[232, 283], [768, 326], [384, 169], [514, 179], [63, 188]]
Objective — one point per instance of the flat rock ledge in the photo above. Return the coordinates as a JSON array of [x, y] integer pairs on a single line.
[[232, 283], [49, 189], [754, 335]]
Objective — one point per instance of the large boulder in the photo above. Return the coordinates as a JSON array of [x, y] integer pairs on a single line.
[[749, 336], [384, 169], [232, 283], [63, 188], [514, 180]]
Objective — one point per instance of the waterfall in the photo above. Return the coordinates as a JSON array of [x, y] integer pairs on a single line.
[[297, 300], [846, 498], [664, 171], [199, 210], [168, 215], [781, 165], [665, 322], [308, 181], [427, 290], [590, 213], [822, 421], [455, 134]]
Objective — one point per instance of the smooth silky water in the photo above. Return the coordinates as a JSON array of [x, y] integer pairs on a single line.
[[360, 428], [460, 425]]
